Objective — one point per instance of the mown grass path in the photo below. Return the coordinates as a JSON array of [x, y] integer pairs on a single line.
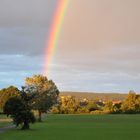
[[80, 127]]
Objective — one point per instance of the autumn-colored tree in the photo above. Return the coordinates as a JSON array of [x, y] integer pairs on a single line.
[[117, 108], [46, 93], [130, 104], [92, 106], [108, 107], [68, 104], [138, 104], [7, 93]]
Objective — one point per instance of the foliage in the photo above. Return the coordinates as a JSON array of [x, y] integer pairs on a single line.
[[45, 93], [71, 105], [91, 106], [7, 93], [117, 108], [131, 104], [55, 110], [83, 110], [68, 104], [109, 107], [19, 111], [97, 112]]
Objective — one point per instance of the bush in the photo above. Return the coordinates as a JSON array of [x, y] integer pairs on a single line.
[[97, 112], [82, 110], [55, 110]]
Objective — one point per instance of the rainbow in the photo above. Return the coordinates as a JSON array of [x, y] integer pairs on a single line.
[[55, 29]]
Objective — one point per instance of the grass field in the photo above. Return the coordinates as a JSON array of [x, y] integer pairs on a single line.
[[80, 127], [4, 121]]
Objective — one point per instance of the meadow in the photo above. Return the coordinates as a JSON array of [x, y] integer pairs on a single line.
[[80, 127], [4, 121]]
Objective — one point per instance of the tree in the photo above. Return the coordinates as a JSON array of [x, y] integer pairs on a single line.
[[109, 107], [19, 111], [117, 108], [130, 104], [68, 104], [138, 103], [92, 106], [45, 91], [7, 93]]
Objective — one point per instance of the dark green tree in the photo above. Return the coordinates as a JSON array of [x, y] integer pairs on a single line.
[[19, 110]]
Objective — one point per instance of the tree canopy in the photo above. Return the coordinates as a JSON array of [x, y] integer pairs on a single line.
[[7, 93], [45, 91], [19, 111]]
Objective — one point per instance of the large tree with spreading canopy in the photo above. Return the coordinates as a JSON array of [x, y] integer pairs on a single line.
[[45, 93]]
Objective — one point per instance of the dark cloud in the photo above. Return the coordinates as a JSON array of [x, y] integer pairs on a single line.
[[24, 26], [23, 40], [26, 12]]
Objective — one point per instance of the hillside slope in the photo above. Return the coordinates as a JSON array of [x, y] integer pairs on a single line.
[[96, 96]]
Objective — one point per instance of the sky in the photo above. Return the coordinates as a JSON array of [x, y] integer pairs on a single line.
[[97, 51]]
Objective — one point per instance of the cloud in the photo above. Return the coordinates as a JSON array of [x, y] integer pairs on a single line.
[[24, 28], [100, 37], [90, 80], [98, 47], [15, 68], [26, 12], [23, 40], [14, 63]]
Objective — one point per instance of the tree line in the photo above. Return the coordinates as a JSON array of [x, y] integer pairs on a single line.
[[42, 95], [71, 105], [38, 94]]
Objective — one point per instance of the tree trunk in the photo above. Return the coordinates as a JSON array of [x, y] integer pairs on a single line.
[[25, 125], [40, 116]]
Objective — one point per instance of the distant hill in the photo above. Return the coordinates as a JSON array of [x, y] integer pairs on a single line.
[[96, 96]]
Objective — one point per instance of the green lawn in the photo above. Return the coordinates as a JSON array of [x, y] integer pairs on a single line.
[[3, 124], [4, 121], [80, 127], [2, 116]]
